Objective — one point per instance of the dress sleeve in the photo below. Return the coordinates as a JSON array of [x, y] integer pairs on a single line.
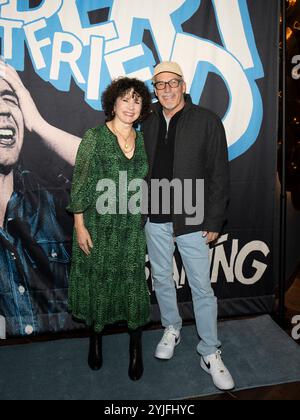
[[84, 173]]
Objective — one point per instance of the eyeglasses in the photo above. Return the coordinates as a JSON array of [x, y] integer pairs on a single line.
[[174, 83]]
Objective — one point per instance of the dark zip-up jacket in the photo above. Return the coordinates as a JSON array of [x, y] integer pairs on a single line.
[[200, 153]]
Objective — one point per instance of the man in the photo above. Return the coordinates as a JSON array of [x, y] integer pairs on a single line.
[[33, 254], [184, 141]]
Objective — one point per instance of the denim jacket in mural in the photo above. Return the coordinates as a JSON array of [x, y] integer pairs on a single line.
[[34, 261]]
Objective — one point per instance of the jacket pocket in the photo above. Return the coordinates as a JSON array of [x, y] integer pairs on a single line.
[[59, 263]]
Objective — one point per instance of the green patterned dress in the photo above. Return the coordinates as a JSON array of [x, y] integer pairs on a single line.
[[109, 285]]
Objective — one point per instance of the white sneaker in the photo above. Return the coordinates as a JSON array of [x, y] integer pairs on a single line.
[[214, 366], [166, 346]]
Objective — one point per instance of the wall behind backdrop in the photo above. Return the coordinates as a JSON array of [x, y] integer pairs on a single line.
[[62, 54]]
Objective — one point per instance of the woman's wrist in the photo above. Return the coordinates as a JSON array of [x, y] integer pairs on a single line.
[[79, 226], [79, 222]]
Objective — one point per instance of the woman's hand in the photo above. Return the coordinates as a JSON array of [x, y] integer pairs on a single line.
[[84, 240]]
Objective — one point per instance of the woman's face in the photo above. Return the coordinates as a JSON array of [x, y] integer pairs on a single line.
[[128, 108]]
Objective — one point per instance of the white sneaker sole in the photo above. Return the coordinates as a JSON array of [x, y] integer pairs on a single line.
[[205, 368], [163, 356]]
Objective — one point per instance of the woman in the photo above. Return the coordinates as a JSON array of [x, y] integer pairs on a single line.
[[107, 279]]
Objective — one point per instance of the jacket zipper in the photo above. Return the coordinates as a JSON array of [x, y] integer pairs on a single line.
[[174, 167]]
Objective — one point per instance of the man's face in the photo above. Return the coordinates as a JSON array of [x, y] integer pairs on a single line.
[[11, 126], [171, 99]]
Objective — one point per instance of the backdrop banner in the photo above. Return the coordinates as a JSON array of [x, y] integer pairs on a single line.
[[57, 58]]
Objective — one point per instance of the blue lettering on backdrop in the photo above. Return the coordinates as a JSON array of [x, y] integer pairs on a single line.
[[64, 46]]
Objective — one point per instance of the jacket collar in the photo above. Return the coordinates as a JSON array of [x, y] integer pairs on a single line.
[[24, 181], [157, 108]]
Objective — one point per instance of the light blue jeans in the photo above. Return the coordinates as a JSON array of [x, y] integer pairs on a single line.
[[195, 256]]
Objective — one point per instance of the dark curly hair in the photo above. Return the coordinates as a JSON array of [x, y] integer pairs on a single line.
[[118, 89]]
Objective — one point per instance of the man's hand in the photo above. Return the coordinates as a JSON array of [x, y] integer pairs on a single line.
[[211, 236], [32, 118], [84, 240]]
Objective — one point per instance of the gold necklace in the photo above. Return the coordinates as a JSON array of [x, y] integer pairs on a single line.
[[127, 151]]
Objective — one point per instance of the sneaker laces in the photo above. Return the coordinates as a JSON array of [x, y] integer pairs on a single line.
[[219, 362], [168, 336]]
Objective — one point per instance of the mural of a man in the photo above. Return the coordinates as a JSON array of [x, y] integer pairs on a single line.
[[33, 254]]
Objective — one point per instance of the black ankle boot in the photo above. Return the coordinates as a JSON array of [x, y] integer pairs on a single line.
[[95, 352], [136, 367]]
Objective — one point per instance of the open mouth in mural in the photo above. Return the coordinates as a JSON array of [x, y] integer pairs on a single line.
[[7, 136]]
